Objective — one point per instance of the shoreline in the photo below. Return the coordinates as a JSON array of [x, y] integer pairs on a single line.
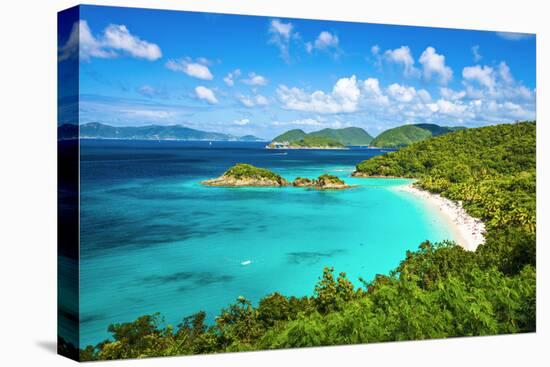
[[469, 231], [306, 148]]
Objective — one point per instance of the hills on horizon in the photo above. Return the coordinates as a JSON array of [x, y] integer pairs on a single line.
[[397, 137], [355, 136], [96, 130]]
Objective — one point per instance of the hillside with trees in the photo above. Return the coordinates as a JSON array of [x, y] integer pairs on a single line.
[[401, 136], [349, 136]]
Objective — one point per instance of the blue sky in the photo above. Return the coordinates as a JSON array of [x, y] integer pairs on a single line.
[[262, 76]]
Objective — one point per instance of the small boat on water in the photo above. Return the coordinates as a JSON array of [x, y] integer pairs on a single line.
[[246, 262]]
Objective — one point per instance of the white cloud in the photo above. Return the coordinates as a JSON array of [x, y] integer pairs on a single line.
[[485, 82], [489, 95], [401, 93], [482, 75], [344, 97], [252, 101], [241, 122], [372, 92], [311, 123], [375, 50], [204, 61], [118, 37], [504, 73], [299, 122], [280, 28], [448, 108], [326, 40], [451, 94], [511, 36], [476, 54], [115, 41], [281, 34], [148, 114], [206, 94], [424, 95], [82, 42], [403, 57], [255, 80], [191, 68], [434, 64], [261, 100], [229, 78]]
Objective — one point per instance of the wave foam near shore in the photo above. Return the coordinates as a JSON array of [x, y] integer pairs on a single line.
[[470, 231]]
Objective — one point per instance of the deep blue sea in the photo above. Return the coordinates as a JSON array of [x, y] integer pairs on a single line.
[[154, 240]]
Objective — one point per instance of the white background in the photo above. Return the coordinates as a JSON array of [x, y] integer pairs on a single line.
[[28, 181]]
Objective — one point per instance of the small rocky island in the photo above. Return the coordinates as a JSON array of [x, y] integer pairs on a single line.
[[324, 182], [246, 175], [243, 174]]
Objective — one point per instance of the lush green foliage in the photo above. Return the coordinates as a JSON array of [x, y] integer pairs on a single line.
[[326, 178], [316, 141], [290, 135], [325, 181], [402, 136], [345, 136], [243, 170], [438, 291]]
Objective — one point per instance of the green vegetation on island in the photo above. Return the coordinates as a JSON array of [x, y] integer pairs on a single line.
[[323, 138], [323, 182], [349, 136], [438, 291], [402, 136], [243, 174], [290, 135], [315, 142]]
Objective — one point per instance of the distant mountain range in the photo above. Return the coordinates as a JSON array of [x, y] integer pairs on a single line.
[[396, 137], [402, 136], [346, 136], [96, 130]]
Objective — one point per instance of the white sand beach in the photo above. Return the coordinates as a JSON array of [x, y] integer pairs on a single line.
[[469, 231]]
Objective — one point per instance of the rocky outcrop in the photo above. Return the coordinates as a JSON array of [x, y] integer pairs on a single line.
[[229, 181], [242, 175], [303, 182], [359, 174], [324, 182]]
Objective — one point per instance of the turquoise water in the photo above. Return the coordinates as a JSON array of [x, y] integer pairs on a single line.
[[154, 240]]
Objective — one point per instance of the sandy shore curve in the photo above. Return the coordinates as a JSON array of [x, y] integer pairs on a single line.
[[469, 231]]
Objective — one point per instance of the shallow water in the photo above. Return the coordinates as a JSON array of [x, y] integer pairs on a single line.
[[154, 240]]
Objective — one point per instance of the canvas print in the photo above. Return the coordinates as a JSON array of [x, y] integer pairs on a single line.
[[239, 183]]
